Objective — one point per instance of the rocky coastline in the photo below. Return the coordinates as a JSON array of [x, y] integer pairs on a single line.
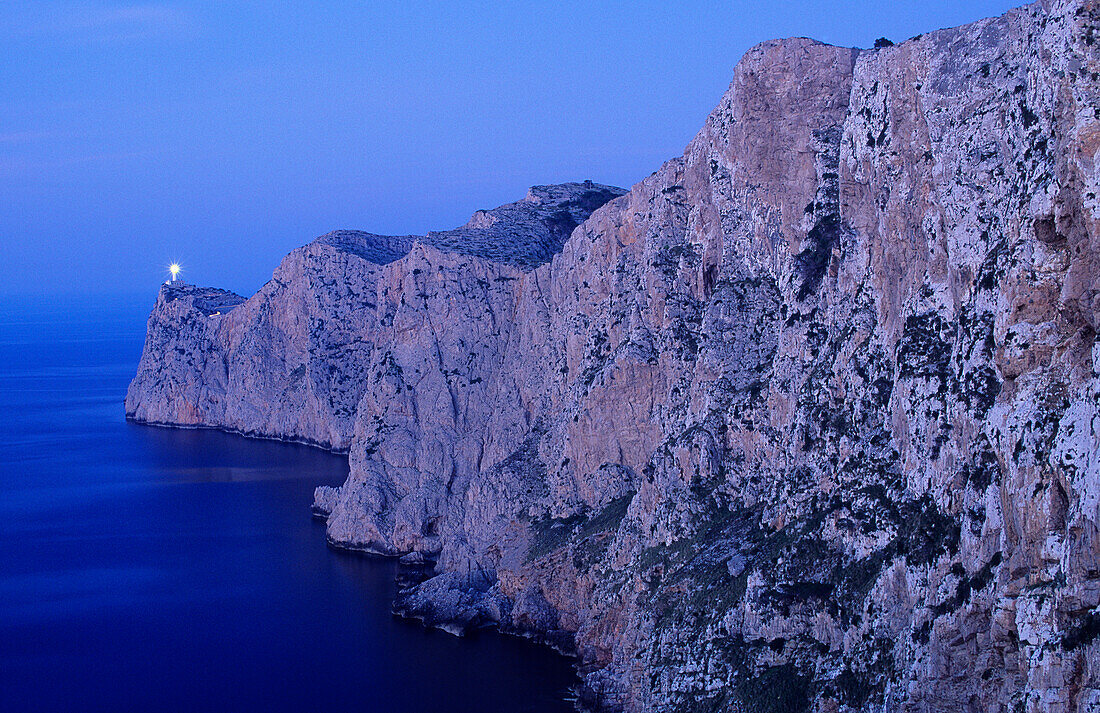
[[807, 420]]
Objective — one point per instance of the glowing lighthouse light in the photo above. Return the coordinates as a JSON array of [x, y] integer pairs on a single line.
[[174, 268]]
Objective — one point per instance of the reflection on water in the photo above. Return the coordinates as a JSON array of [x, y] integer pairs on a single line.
[[153, 569]]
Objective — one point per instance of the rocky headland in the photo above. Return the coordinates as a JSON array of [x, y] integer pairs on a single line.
[[809, 419]]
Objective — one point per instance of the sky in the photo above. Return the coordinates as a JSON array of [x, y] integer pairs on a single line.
[[224, 134]]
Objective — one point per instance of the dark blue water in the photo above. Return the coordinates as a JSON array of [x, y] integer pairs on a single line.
[[145, 569]]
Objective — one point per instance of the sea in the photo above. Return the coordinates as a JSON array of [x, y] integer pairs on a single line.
[[152, 569]]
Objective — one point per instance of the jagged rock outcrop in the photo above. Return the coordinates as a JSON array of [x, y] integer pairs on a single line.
[[293, 361], [808, 420]]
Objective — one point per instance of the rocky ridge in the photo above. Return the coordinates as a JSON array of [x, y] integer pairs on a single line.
[[291, 362], [807, 420]]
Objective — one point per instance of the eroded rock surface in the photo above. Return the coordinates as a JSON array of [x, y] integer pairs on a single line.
[[293, 361], [807, 420]]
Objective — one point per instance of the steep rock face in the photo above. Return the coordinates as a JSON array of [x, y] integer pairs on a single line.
[[786, 441], [294, 360], [808, 420]]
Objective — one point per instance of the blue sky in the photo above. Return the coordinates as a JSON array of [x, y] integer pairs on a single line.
[[225, 134]]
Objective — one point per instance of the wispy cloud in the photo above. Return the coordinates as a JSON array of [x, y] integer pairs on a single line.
[[99, 22]]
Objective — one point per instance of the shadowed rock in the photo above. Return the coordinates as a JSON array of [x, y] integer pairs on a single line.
[[525, 234], [807, 420], [292, 362]]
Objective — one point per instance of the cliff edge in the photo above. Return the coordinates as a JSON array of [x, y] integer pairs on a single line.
[[807, 420], [291, 362]]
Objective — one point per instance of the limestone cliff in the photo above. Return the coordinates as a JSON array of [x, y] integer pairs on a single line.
[[807, 420], [292, 362]]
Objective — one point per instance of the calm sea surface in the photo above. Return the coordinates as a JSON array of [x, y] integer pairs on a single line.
[[146, 569]]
